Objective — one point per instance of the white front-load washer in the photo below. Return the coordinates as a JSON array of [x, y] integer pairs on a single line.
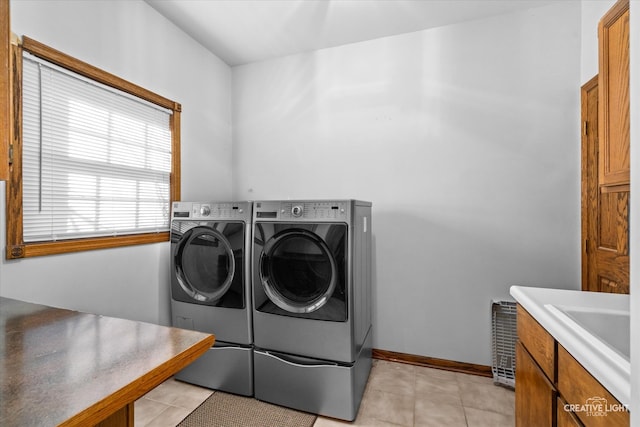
[[210, 290], [311, 274]]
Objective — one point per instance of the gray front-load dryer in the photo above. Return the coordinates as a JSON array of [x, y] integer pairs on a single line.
[[311, 274], [210, 290]]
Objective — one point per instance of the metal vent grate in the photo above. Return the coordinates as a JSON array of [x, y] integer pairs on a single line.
[[503, 314]]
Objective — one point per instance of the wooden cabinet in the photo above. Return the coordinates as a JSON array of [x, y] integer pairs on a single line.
[[535, 373], [605, 160], [552, 388], [579, 388], [565, 418], [537, 341], [613, 58], [535, 394]]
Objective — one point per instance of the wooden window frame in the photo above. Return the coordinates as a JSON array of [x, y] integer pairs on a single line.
[[16, 247]]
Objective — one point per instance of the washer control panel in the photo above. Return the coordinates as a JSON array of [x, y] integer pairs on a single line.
[[321, 210], [211, 210]]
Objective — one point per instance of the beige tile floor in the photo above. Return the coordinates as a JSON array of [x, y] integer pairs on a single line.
[[396, 395]]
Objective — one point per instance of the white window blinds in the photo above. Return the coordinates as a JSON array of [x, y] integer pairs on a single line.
[[96, 161]]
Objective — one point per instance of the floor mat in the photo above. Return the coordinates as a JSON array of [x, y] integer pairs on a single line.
[[228, 410]]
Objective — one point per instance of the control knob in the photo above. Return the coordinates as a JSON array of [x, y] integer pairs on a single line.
[[205, 210], [297, 211]]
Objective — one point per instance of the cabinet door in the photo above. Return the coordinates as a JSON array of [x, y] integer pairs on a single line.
[[613, 55], [579, 388], [605, 160], [564, 417], [610, 269], [605, 216], [535, 395], [537, 341]]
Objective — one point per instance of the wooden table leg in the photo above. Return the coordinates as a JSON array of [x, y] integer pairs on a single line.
[[121, 418]]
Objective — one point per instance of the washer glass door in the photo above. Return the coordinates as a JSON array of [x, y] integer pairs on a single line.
[[298, 271], [205, 264]]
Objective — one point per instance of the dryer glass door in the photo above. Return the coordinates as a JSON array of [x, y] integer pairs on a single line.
[[298, 271], [205, 264]]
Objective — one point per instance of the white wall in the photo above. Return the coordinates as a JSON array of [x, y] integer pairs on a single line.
[[133, 41], [465, 138]]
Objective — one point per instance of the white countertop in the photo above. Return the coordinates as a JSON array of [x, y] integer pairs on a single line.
[[608, 366]]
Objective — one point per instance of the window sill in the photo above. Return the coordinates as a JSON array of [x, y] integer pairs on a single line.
[[77, 245]]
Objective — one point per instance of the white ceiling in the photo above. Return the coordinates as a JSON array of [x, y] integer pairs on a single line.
[[244, 31]]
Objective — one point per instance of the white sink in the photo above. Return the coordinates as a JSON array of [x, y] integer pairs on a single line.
[[610, 327], [592, 326]]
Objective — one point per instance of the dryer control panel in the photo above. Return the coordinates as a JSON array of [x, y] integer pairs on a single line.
[[293, 210], [211, 210]]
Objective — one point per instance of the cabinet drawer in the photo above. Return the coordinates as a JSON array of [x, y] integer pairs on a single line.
[[538, 342], [579, 388]]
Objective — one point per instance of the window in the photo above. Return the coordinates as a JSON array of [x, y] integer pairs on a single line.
[[95, 159]]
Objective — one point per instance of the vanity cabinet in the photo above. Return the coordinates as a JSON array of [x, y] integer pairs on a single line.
[[579, 388], [552, 388], [565, 418], [535, 394]]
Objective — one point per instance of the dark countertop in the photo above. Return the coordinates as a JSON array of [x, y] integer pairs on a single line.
[[63, 367]]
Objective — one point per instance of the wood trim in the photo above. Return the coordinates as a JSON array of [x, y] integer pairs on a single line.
[[5, 88], [624, 188], [584, 176], [432, 362], [616, 11], [175, 183], [15, 246], [94, 73], [78, 245]]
